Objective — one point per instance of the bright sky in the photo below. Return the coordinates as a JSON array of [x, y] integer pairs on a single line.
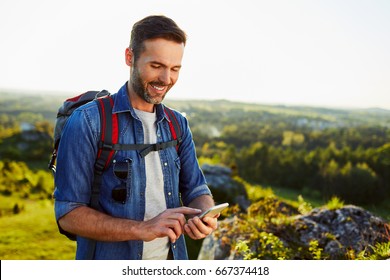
[[321, 53]]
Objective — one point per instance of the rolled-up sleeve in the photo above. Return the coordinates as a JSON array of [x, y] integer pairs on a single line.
[[64, 207]]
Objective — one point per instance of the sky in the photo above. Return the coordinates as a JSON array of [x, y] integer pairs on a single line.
[[323, 53]]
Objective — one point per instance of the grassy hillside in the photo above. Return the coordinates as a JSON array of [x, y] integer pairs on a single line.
[[32, 234]]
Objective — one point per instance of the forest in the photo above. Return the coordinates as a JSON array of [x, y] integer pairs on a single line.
[[317, 152], [321, 152]]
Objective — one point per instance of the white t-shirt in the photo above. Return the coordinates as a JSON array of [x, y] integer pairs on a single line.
[[154, 195]]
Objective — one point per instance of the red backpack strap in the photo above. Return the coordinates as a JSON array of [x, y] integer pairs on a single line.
[[109, 138], [174, 126], [109, 133]]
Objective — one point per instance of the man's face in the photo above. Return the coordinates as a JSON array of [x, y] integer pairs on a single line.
[[156, 70]]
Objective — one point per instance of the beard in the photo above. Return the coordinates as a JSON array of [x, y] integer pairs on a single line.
[[140, 88]]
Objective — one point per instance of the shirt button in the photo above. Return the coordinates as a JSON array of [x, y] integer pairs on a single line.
[[165, 163], [169, 193]]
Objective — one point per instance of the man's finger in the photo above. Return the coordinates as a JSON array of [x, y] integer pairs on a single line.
[[171, 235], [195, 230], [177, 227], [186, 210], [189, 232], [211, 222]]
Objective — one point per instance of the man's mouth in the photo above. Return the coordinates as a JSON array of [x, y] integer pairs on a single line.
[[158, 87]]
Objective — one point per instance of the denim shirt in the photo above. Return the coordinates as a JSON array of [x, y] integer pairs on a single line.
[[183, 178]]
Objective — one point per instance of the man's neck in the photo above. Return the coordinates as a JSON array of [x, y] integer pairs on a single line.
[[137, 102]]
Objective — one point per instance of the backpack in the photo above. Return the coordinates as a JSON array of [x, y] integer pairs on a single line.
[[108, 143]]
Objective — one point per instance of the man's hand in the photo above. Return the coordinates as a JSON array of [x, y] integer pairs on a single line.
[[169, 223], [197, 228]]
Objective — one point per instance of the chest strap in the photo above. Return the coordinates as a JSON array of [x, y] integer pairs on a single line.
[[144, 149]]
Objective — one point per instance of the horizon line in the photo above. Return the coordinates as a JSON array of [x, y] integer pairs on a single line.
[[69, 93]]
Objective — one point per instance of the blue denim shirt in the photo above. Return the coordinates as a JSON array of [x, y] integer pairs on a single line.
[[183, 178]]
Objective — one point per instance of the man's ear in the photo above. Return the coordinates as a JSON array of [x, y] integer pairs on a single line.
[[129, 57]]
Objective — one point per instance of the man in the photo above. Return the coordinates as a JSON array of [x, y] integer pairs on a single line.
[[148, 221]]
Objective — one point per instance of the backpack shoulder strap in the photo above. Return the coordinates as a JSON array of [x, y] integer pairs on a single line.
[[173, 126], [108, 138], [109, 134]]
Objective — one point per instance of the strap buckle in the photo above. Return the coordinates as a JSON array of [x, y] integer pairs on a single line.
[[106, 146]]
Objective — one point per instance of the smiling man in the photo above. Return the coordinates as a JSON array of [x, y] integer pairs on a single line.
[[161, 193]]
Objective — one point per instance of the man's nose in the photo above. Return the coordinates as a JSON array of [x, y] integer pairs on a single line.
[[165, 77]]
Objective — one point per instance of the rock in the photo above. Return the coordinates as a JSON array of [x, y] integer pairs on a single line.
[[223, 187], [217, 246], [338, 232]]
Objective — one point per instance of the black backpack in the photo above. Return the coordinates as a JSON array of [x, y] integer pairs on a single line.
[[108, 143]]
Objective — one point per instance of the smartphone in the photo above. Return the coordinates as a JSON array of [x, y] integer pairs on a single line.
[[214, 210]]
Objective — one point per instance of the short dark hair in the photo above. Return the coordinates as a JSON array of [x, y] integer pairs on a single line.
[[153, 27]]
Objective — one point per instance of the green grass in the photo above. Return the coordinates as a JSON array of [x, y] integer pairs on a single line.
[[293, 196], [33, 235]]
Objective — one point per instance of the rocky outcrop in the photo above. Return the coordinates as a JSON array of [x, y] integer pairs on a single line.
[[223, 187], [271, 226], [338, 232]]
